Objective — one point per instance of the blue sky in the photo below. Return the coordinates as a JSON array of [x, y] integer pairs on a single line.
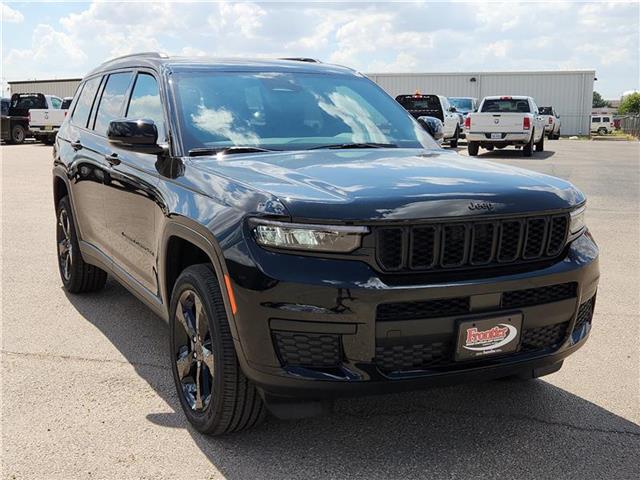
[[56, 40]]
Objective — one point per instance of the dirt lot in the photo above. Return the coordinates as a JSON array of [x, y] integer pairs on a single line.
[[87, 391]]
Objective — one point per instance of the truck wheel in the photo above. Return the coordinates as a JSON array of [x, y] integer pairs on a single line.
[[453, 143], [473, 148], [540, 144], [214, 393], [50, 140], [602, 131], [489, 147], [527, 150], [77, 276], [18, 134]]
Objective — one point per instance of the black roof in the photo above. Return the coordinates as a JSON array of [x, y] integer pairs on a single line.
[[176, 63]]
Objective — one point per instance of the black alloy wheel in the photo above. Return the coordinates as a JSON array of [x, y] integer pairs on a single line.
[[214, 393], [194, 351]]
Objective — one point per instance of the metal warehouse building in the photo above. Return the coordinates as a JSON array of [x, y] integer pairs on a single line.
[[570, 92], [60, 88]]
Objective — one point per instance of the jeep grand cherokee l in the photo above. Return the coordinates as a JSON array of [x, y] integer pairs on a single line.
[[305, 238]]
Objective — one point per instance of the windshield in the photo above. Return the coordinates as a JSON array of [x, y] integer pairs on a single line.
[[419, 102], [289, 111], [503, 105], [462, 104], [545, 111]]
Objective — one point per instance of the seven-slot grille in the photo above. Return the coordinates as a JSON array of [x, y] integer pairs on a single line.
[[470, 244]]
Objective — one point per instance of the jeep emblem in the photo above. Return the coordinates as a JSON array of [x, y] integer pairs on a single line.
[[481, 206]]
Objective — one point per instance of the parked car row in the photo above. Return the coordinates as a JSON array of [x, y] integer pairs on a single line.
[[32, 115], [497, 122]]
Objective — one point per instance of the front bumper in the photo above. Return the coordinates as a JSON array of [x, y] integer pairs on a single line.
[[295, 312]]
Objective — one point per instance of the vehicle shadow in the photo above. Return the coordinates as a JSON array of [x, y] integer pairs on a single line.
[[501, 429], [515, 153]]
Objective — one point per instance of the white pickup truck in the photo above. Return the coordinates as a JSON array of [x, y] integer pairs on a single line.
[[44, 123], [503, 121]]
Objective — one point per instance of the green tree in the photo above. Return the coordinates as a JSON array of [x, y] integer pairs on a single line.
[[598, 101], [630, 104]]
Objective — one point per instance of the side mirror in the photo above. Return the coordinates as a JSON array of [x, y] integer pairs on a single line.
[[138, 135], [433, 126]]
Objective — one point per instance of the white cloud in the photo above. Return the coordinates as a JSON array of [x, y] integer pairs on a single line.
[[374, 36], [10, 15]]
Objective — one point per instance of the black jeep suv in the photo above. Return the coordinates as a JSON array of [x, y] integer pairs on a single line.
[[305, 238]]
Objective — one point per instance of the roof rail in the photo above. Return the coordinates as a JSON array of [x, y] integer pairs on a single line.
[[139, 54], [301, 59]]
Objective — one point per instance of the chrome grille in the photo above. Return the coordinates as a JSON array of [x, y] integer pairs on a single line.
[[470, 244]]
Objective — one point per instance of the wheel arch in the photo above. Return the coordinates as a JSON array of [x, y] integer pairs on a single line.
[[186, 243]]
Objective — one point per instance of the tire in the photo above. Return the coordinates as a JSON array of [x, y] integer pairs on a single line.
[[540, 144], [18, 134], [77, 275], [527, 150], [473, 148], [214, 393], [489, 147], [50, 140], [453, 143], [602, 131]]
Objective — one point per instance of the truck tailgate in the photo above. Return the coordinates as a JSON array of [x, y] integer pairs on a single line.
[[497, 122], [45, 118]]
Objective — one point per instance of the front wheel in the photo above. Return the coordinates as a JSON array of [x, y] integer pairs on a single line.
[[214, 393], [473, 148], [453, 143]]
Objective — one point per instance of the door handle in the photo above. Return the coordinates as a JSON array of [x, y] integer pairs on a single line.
[[113, 159], [76, 145]]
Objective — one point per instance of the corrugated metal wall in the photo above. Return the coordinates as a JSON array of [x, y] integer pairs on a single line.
[[60, 88], [569, 92]]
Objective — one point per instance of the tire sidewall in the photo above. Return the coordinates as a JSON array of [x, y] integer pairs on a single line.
[[75, 247], [209, 416], [18, 128]]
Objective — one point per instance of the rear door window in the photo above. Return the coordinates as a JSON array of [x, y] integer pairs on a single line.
[[83, 106], [510, 105], [112, 101], [605, 119], [595, 119], [145, 102]]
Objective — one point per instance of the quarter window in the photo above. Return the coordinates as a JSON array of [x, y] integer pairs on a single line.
[[83, 106], [112, 101], [145, 103]]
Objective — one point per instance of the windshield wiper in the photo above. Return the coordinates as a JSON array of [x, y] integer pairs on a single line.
[[199, 152], [340, 146]]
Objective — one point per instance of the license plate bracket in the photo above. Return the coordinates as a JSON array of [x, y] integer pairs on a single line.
[[496, 136], [488, 336]]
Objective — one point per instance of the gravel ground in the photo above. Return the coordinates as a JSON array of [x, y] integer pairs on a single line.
[[87, 392]]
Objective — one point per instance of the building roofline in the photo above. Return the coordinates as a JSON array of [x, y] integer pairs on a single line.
[[519, 72], [55, 80]]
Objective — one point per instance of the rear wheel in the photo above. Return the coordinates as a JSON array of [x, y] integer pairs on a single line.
[[453, 143], [489, 147], [18, 134], [473, 148], [214, 393], [77, 275], [602, 131], [527, 150], [540, 144]]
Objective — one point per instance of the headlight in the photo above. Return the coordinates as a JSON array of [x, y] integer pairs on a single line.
[[577, 223], [300, 236]]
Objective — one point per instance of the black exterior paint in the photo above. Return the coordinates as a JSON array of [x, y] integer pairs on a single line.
[[128, 209]]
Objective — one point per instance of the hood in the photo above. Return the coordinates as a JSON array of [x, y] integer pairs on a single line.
[[392, 184]]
